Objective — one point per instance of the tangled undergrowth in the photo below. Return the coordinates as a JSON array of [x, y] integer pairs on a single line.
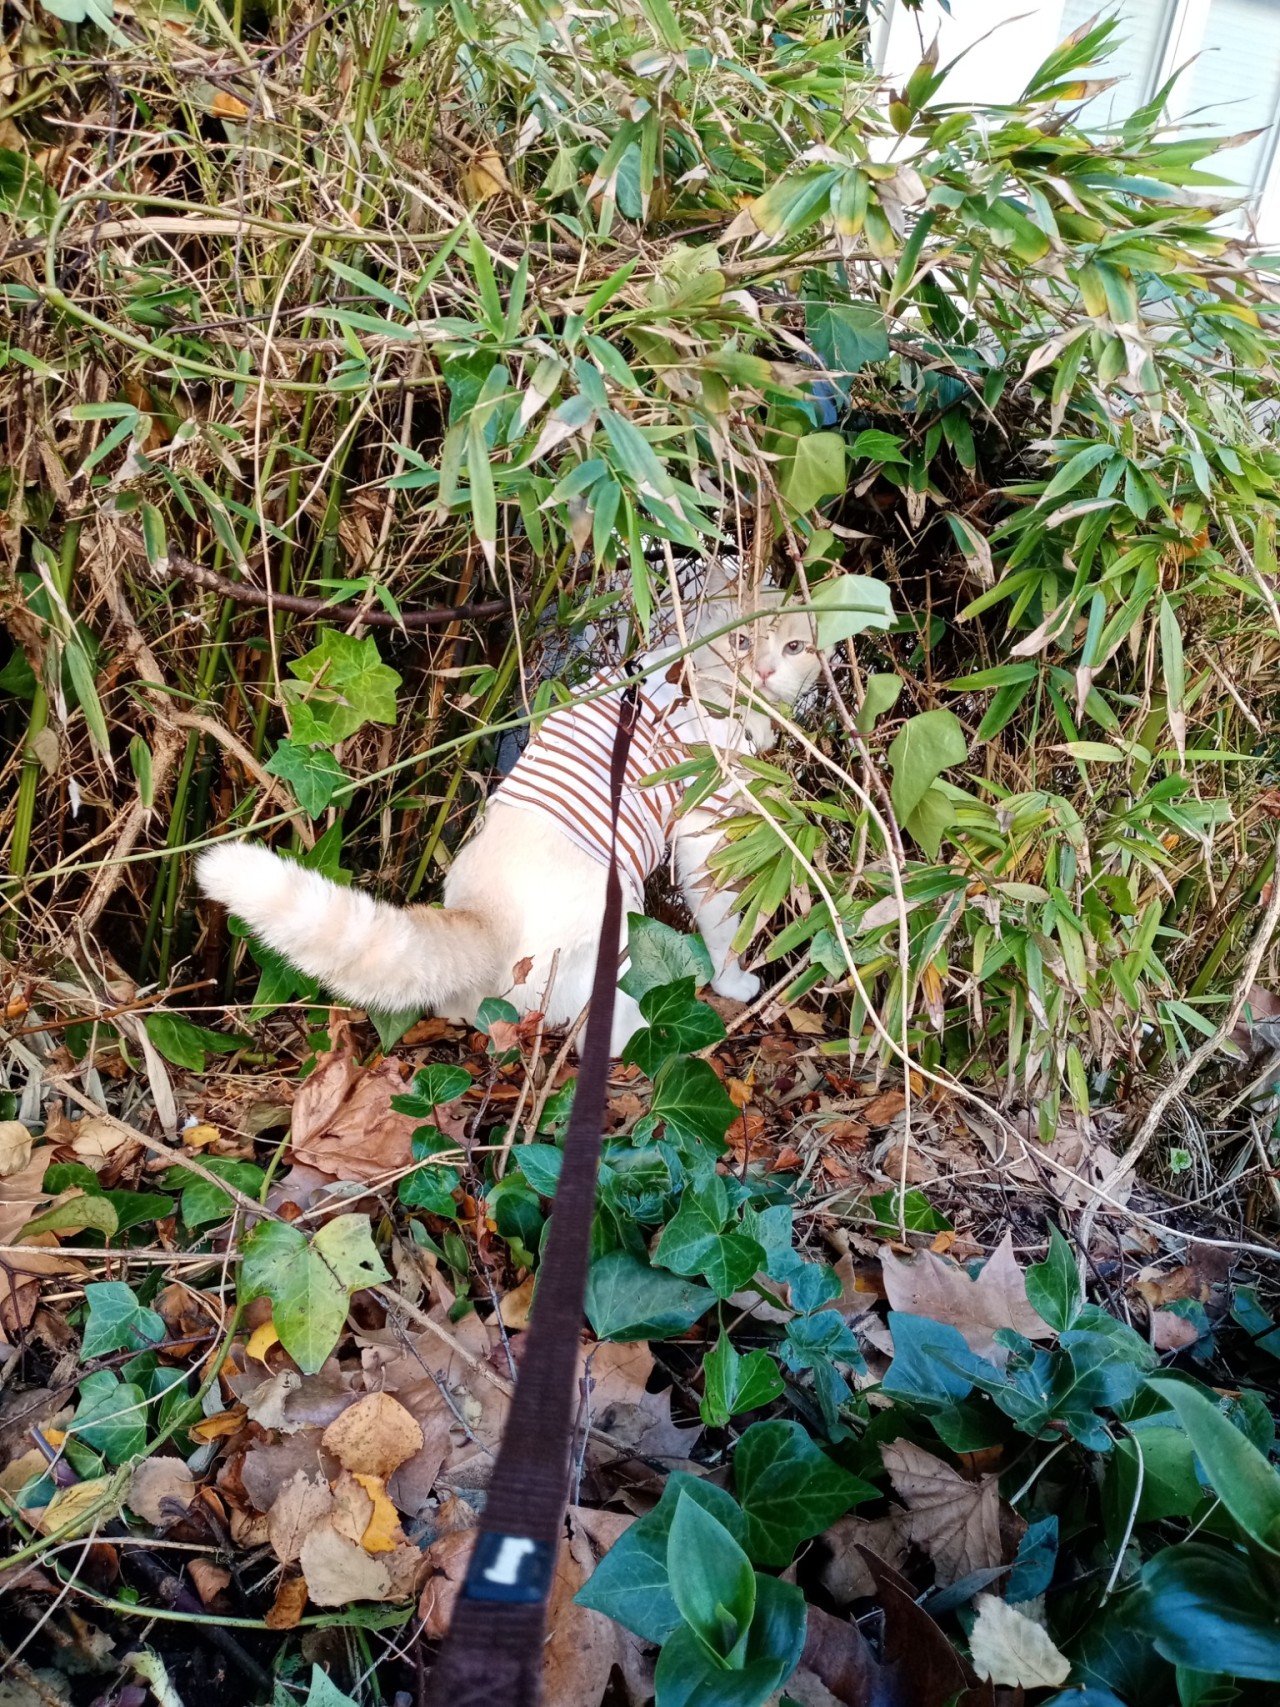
[[367, 373]]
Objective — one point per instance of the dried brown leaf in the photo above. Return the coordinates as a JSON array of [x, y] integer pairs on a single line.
[[1012, 1649], [302, 1503], [932, 1286], [413, 1484], [352, 1510], [845, 1575], [338, 1571], [343, 1121], [265, 1468], [157, 1486], [955, 1521], [289, 1605], [446, 1560], [15, 1147], [375, 1435], [210, 1579]]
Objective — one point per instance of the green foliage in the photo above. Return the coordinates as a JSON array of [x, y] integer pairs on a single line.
[[341, 684], [188, 1045], [309, 1281], [116, 1321], [789, 1489], [1015, 364]]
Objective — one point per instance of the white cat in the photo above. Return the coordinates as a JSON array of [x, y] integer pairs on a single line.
[[524, 898]]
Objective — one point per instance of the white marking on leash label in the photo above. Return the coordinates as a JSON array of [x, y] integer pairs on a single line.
[[505, 1569]]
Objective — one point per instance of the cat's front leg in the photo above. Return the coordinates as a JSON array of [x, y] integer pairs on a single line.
[[715, 913]]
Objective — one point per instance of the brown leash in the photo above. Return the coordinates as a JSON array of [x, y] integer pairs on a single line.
[[493, 1650]]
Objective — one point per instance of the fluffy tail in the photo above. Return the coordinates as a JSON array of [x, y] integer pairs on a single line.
[[377, 956]]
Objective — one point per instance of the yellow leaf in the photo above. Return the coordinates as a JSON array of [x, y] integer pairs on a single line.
[[261, 1341], [79, 1506], [214, 1428], [382, 1533], [196, 1137], [224, 106], [485, 177]]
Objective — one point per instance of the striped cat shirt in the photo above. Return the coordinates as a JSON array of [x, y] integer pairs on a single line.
[[563, 774]]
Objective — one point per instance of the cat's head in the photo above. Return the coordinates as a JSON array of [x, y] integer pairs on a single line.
[[773, 651]]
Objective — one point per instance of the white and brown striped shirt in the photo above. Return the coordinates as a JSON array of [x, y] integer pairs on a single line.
[[564, 774]]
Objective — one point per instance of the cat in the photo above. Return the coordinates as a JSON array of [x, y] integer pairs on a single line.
[[524, 896]]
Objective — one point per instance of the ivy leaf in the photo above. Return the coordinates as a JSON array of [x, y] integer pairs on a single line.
[[628, 1300], [922, 749], [678, 1024], [880, 695], [733, 1382], [345, 685], [659, 955], [433, 1085], [847, 335], [203, 1203], [312, 773], [631, 1584], [310, 1283], [694, 1106], [789, 1490], [692, 1243], [111, 1416], [1053, 1286], [117, 1322]]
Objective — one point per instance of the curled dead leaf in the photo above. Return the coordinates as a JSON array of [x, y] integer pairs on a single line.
[[382, 1533], [289, 1604], [210, 1579]]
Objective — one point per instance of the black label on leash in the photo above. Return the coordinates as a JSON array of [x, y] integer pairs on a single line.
[[510, 1568]]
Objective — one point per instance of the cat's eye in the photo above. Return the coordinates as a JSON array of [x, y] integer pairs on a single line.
[[793, 648], [741, 641]]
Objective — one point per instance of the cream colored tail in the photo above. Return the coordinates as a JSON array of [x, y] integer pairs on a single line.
[[390, 959]]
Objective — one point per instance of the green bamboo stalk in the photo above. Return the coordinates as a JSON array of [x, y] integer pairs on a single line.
[[37, 722]]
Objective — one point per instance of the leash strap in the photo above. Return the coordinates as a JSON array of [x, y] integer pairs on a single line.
[[493, 1650]]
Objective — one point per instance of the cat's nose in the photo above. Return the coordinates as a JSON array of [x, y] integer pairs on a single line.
[[764, 672]]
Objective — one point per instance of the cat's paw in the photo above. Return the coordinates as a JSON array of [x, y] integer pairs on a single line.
[[240, 874], [733, 982]]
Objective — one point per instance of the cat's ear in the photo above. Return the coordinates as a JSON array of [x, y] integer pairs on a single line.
[[720, 578]]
